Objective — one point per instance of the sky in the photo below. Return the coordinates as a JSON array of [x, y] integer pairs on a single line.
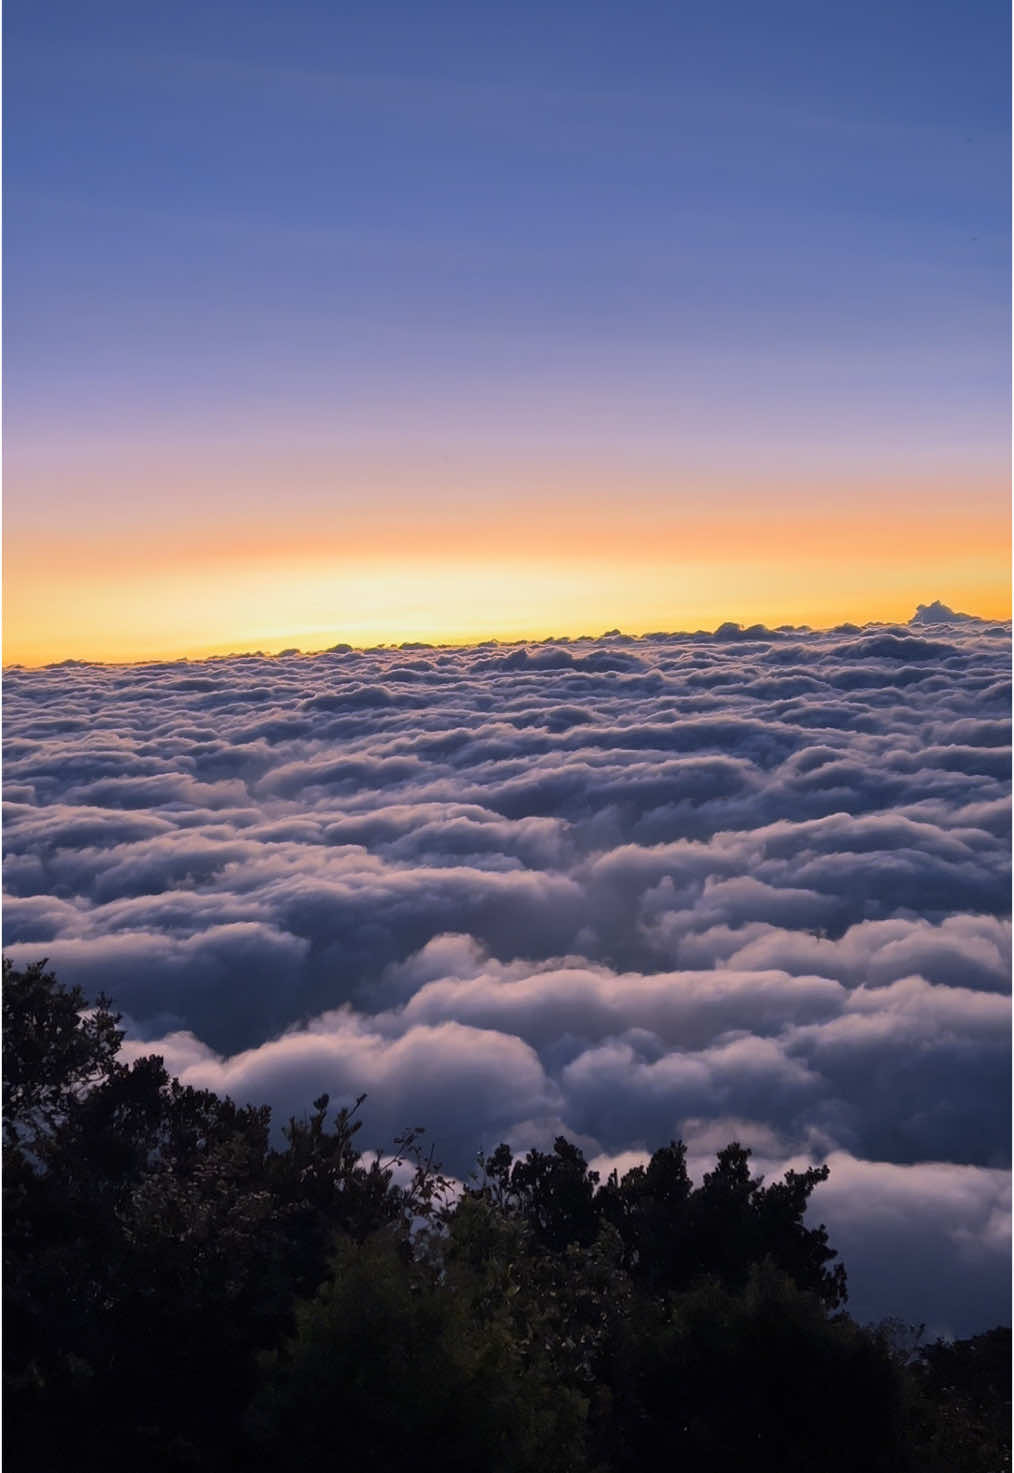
[[394, 321]]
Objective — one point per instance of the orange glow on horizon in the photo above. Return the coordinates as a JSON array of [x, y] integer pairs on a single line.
[[127, 598], [214, 555]]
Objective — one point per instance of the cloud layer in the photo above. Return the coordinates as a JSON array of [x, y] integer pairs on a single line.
[[751, 883]]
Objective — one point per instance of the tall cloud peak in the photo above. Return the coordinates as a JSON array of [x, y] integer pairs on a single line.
[[939, 613]]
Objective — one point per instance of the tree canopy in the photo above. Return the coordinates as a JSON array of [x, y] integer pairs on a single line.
[[185, 1290]]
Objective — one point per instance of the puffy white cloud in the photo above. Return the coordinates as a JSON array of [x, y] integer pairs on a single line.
[[928, 1243], [753, 883], [465, 1086]]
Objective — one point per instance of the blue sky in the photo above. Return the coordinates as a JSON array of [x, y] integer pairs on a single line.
[[713, 176]]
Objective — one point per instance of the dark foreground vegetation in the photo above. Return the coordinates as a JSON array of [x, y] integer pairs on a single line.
[[180, 1293]]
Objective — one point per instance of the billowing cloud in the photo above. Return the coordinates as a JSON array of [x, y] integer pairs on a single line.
[[753, 883]]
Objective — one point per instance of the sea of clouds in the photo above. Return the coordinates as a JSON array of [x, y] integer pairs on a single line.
[[746, 885]]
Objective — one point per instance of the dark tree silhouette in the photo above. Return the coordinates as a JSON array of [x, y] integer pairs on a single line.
[[183, 1292], [672, 1233], [965, 1419]]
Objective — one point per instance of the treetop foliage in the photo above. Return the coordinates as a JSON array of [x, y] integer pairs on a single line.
[[183, 1291]]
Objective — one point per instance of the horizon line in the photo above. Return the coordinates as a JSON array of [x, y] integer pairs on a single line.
[[733, 629]]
